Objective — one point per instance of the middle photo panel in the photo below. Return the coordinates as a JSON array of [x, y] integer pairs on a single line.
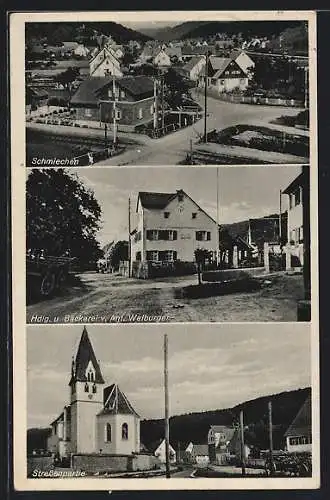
[[160, 245]]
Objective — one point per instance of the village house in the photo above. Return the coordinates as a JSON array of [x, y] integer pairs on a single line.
[[97, 420], [299, 434], [161, 58], [170, 227], [133, 97], [159, 451], [218, 439], [199, 454], [105, 63], [81, 51], [244, 61], [295, 227], [36, 98], [194, 68], [225, 75]]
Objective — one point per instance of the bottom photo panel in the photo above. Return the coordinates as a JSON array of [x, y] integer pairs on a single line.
[[150, 403]]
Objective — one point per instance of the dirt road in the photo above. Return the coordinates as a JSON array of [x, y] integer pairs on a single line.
[[98, 298]]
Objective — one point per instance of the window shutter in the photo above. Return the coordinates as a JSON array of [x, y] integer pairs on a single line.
[[175, 235], [149, 234], [208, 235]]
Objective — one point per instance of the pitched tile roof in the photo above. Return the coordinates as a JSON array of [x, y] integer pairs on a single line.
[[201, 449], [302, 423], [192, 63], [86, 92], [115, 402], [219, 64], [85, 354], [155, 200], [137, 85]]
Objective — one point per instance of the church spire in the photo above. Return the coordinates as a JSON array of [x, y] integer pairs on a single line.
[[85, 356]]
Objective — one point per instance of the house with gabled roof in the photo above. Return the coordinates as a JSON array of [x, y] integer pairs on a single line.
[[225, 75], [105, 63], [299, 433], [133, 96], [158, 449], [97, 419], [194, 68], [243, 60], [170, 227]]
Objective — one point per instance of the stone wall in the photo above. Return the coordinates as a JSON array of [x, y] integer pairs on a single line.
[[39, 463], [113, 463]]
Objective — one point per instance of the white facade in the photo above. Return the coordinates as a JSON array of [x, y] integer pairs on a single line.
[[162, 59], [174, 232], [105, 63], [118, 434], [196, 71], [245, 63], [295, 234], [298, 444], [160, 453], [229, 84]]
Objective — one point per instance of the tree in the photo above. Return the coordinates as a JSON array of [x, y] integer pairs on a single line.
[[67, 77], [118, 253], [201, 255], [62, 215], [175, 86]]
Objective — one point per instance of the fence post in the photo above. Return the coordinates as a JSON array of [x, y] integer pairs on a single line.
[[266, 257], [235, 257]]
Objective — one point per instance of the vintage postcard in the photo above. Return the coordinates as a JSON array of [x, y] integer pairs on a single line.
[[165, 250]]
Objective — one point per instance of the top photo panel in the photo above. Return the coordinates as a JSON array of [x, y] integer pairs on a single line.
[[167, 92]]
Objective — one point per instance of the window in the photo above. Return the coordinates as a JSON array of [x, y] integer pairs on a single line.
[[222, 82], [140, 113], [88, 112], [203, 235], [152, 234], [122, 94], [118, 114], [242, 81], [194, 215], [86, 388], [94, 389], [90, 376], [297, 196], [168, 255], [294, 441], [152, 255], [137, 236], [166, 215], [107, 433], [138, 256], [172, 235], [110, 94], [124, 431], [291, 198], [152, 109]]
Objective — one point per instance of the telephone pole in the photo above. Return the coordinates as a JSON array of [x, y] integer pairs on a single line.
[[241, 420], [167, 426], [205, 95], [270, 430], [155, 105], [280, 220], [114, 111], [129, 237], [163, 115], [218, 227]]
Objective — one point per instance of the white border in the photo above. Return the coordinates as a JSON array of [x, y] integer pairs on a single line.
[[18, 177]]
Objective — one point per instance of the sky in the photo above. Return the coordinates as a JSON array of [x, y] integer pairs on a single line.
[[218, 367], [244, 192]]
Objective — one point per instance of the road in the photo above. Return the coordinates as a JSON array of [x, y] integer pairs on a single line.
[[104, 298], [172, 149]]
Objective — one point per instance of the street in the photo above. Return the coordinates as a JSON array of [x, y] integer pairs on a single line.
[[98, 298]]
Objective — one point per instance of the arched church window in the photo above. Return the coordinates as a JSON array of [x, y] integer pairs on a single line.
[[94, 388], [86, 388], [124, 431], [107, 433]]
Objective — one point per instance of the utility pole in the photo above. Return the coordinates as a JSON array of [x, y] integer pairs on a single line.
[[155, 105], [167, 426], [105, 135], [114, 111], [241, 420], [129, 238], [205, 95], [280, 220], [163, 115], [270, 429], [218, 227]]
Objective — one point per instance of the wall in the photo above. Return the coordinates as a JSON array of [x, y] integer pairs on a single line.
[[299, 448], [115, 463], [41, 463], [186, 228], [230, 84]]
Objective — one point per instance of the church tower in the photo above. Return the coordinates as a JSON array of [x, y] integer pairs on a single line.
[[86, 397]]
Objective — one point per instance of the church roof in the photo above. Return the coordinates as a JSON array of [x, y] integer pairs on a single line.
[[302, 423], [85, 354], [115, 402]]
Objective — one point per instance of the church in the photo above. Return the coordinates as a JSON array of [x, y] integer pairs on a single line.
[[99, 418]]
